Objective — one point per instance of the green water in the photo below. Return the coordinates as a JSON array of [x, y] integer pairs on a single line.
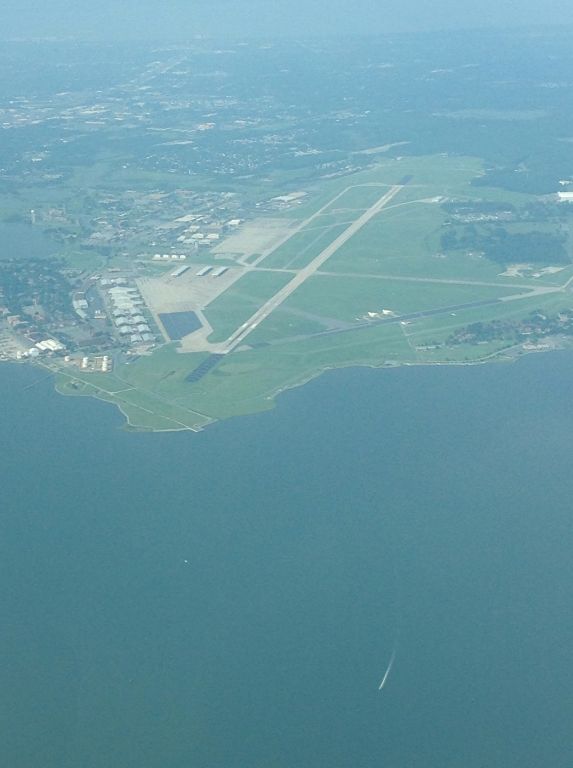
[[232, 599]]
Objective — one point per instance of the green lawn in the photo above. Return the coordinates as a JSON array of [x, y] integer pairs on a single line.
[[248, 381], [286, 323], [164, 370], [241, 300], [304, 246], [350, 298], [145, 390]]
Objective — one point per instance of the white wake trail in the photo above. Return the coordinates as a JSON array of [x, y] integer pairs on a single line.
[[388, 670]]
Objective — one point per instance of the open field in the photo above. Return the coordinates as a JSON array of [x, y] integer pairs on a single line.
[[237, 304], [381, 247], [352, 298], [304, 246], [144, 408], [240, 385]]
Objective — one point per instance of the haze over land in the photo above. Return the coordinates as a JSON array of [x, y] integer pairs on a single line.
[[180, 19]]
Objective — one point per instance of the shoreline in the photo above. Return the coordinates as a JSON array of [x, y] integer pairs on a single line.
[[501, 356]]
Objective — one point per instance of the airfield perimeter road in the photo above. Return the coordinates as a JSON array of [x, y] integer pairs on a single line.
[[263, 312]]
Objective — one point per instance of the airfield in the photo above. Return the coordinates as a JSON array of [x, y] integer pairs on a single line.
[[354, 275], [194, 292]]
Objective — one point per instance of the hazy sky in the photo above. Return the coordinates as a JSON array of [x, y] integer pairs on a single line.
[[178, 19]]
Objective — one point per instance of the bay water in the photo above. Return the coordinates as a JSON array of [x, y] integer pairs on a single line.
[[232, 599]]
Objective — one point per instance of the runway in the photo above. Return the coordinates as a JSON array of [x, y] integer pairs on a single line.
[[282, 295]]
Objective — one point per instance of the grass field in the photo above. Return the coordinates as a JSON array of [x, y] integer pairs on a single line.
[[241, 385], [351, 298], [326, 225], [303, 246], [238, 303], [145, 390]]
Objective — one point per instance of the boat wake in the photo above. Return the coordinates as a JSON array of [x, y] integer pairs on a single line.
[[388, 670]]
